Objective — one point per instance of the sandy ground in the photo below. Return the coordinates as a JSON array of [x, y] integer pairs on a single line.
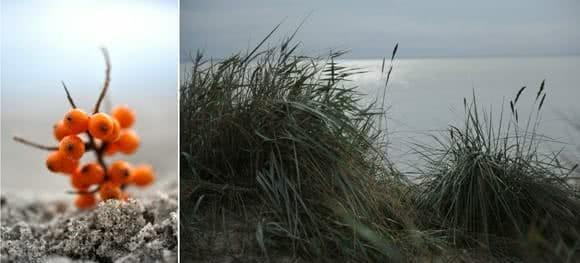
[[143, 229]]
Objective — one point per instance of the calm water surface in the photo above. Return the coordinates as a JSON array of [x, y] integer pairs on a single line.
[[425, 96]]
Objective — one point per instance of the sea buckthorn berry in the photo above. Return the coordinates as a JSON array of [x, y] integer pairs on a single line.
[[57, 161], [125, 116], [54, 162], [92, 173], [76, 120], [70, 165], [111, 148], [85, 200], [72, 146], [78, 181], [120, 172], [105, 134], [110, 191], [142, 175], [101, 125], [60, 130], [115, 133], [128, 142]]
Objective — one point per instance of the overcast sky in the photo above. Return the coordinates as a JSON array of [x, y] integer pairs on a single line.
[[369, 29]]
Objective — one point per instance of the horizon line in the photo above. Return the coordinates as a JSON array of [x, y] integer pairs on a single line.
[[182, 61]]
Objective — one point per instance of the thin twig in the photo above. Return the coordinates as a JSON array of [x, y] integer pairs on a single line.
[[107, 80], [35, 145], [99, 150], [99, 153], [81, 192], [88, 146], [68, 96]]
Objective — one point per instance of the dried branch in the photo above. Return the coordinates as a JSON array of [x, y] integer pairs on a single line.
[[68, 96], [99, 153], [107, 80], [83, 192], [88, 145], [35, 145]]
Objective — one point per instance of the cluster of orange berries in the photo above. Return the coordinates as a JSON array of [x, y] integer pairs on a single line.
[[108, 134]]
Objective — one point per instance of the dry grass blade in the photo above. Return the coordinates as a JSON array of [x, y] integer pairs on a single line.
[[519, 93], [249, 56], [542, 102], [541, 89]]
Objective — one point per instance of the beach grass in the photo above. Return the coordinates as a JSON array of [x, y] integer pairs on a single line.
[[490, 186], [281, 158]]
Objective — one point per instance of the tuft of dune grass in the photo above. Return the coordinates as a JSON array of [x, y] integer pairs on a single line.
[[282, 142], [490, 187]]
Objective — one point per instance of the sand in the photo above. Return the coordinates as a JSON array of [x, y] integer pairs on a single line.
[[143, 229]]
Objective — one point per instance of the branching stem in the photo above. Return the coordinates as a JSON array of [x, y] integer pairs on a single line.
[[68, 96], [80, 192], [35, 145], [88, 146], [107, 80], [91, 144]]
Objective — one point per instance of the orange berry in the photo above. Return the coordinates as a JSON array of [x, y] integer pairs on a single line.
[[76, 120], [57, 161], [92, 173], [78, 180], [115, 133], [111, 148], [110, 191], [125, 116], [101, 125], [72, 146], [59, 130], [120, 172], [69, 165], [85, 201], [53, 162], [128, 142], [142, 175]]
